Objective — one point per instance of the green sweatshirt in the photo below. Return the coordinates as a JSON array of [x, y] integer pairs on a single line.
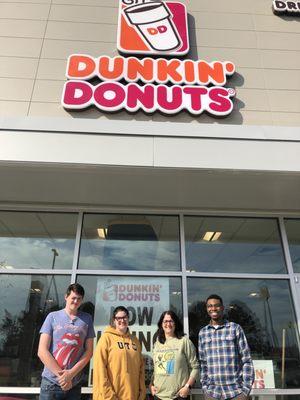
[[175, 362]]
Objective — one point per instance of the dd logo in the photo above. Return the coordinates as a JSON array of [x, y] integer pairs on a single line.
[[158, 29]]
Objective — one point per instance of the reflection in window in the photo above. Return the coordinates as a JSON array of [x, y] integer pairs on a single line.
[[264, 309], [249, 245], [292, 227], [123, 242], [145, 297], [25, 300], [37, 240]]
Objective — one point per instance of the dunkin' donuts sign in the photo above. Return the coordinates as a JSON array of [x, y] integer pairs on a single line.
[[152, 28]]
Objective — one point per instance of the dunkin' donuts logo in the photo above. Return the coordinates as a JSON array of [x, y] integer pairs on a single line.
[[168, 85], [152, 27], [179, 85]]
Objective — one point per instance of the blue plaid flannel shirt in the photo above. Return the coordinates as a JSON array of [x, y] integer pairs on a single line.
[[226, 366]]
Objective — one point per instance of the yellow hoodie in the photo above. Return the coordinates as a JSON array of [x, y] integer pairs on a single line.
[[118, 367]]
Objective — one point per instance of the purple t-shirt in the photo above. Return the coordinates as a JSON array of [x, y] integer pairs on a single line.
[[68, 339]]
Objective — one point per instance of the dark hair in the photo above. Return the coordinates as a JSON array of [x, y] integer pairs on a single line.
[[76, 288], [115, 312], [214, 296], [178, 326]]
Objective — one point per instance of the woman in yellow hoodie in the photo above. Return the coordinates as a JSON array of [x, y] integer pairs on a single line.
[[118, 362]]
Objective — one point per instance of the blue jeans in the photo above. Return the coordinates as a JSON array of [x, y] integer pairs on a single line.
[[51, 391]]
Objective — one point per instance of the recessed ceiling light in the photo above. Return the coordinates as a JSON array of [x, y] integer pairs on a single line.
[[211, 236], [253, 294], [102, 233]]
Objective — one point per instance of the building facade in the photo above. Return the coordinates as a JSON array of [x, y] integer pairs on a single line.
[[152, 210]]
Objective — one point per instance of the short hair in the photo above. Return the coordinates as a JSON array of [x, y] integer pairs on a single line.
[[178, 326], [214, 296], [115, 312], [76, 288]]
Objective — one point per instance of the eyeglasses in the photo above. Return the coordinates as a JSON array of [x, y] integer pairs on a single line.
[[168, 321], [125, 318]]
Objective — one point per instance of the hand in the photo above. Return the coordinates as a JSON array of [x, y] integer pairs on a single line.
[[67, 386], [153, 390], [184, 392], [65, 378], [58, 373]]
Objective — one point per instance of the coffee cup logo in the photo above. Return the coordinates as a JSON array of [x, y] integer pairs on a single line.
[[153, 27], [153, 21], [109, 291]]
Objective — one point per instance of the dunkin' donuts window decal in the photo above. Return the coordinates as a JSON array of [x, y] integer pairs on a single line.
[[152, 27]]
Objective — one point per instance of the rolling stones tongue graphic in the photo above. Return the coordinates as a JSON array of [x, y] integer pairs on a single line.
[[67, 349]]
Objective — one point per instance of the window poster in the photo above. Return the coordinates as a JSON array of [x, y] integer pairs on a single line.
[[264, 374], [145, 299]]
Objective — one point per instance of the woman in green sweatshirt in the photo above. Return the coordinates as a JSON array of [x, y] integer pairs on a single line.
[[175, 362]]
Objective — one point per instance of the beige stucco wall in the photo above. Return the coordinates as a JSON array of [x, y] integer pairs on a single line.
[[37, 36]]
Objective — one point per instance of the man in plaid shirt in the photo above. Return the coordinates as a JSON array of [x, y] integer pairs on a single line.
[[226, 367]]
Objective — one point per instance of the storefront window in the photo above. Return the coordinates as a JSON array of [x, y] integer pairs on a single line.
[[148, 397], [25, 301], [130, 242], [292, 227], [240, 245], [264, 310], [145, 297], [37, 240]]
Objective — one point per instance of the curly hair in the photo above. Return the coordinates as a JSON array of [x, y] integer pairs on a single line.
[[178, 326], [215, 297]]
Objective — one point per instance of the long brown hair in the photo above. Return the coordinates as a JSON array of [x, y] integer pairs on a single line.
[[178, 326]]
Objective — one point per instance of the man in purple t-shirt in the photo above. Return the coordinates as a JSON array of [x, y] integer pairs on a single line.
[[66, 346]]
